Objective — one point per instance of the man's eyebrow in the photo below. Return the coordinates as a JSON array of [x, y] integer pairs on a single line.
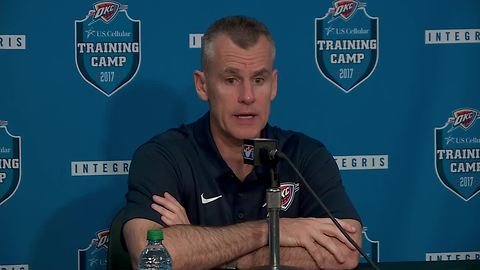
[[263, 72], [231, 70]]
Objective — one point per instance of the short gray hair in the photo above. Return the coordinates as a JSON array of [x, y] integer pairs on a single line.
[[242, 30]]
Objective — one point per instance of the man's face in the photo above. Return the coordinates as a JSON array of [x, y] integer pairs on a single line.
[[239, 85]]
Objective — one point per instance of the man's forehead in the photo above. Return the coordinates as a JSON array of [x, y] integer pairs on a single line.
[[229, 58]]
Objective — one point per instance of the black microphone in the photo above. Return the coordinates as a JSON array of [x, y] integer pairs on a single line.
[[260, 152]]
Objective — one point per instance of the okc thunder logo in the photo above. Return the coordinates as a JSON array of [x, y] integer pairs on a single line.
[[107, 45], [102, 238], [463, 118], [346, 50], [288, 190], [345, 9], [105, 11], [94, 257]]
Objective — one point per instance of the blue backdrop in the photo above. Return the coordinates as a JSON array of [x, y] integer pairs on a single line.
[[391, 88]]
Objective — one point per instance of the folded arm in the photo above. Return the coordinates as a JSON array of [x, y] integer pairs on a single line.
[[311, 243], [194, 247], [308, 243], [289, 256]]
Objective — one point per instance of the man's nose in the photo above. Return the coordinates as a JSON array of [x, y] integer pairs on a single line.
[[247, 94]]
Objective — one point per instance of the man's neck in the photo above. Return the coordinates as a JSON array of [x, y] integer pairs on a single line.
[[231, 152]]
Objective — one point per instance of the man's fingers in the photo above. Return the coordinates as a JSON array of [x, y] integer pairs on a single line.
[[330, 245], [333, 231], [164, 214], [169, 203], [349, 228], [167, 221], [163, 211], [157, 199], [174, 203], [171, 209], [316, 253], [169, 217], [170, 198]]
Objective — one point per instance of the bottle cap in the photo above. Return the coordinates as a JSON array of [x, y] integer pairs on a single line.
[[155, 235]]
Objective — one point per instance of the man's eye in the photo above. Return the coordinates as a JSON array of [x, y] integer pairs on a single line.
[[230, 80], [259, 80]]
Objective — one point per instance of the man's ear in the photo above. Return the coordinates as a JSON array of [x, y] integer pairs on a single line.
[[200, 84], [274, 85]]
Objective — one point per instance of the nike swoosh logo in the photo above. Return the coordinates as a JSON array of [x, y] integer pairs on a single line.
[[209, 200]]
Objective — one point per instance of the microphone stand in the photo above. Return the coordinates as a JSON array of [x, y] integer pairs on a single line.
[[274, 197]]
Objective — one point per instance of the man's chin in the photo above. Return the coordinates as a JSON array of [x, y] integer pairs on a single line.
[[247, 135]]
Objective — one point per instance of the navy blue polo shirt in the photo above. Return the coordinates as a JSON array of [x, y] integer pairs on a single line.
[[186, 163]]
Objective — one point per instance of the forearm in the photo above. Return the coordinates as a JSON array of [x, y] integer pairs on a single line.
[[296, 257], [194, 247], [321, 252], [326, 260], [135, 231], [289, 256]]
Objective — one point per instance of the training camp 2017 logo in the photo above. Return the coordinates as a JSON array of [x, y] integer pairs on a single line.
[[94, 257], [346, 44], [107, 44], [457, 153], [10, 162]]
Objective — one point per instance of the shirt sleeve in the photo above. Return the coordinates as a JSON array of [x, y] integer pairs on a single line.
[[321, 172], [152, 172]]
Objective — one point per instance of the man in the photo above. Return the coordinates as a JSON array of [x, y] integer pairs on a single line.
[[192, 181]]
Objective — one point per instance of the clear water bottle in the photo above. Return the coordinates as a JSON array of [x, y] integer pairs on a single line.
[[155, 256]]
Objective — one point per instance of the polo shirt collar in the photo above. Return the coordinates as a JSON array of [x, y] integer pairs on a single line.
[[203, 135]]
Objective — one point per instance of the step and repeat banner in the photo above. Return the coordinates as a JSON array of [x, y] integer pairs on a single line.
[[391, 88]]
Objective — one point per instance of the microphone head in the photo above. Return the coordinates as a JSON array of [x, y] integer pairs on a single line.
[[257, 151]]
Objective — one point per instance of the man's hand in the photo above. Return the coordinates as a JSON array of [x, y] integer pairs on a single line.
[[318, 235], [171, 210]]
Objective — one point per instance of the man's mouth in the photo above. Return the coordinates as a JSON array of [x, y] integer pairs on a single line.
[[245, 115]]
